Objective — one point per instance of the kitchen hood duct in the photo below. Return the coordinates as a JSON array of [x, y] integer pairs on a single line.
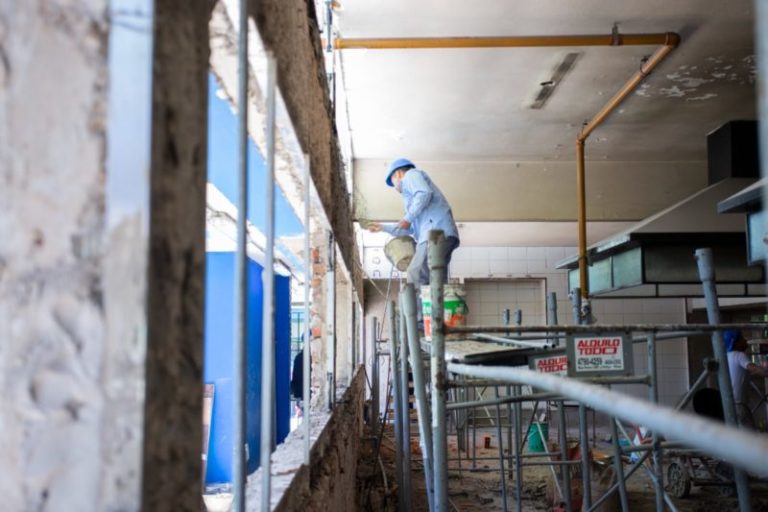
[[654, 258]]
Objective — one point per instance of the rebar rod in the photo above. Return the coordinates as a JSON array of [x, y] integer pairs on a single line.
[[437, 267], [723, 442], [706, 267]]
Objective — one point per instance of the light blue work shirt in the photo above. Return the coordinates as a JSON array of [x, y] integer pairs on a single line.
[[425, 208]]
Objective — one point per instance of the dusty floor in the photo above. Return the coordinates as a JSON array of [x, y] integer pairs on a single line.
[[476, 488]]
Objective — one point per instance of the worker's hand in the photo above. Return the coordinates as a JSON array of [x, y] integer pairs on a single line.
[[404, 224], [374, 227]]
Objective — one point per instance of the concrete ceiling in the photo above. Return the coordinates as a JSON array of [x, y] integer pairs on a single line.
[[463, 114]]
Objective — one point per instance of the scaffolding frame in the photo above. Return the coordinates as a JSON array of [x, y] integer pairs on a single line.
[[744, 451]]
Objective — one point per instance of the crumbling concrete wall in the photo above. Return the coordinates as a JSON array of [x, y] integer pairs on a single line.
[[75, 285], [330, 481], [174, 377], [53, 71], [290, 29]]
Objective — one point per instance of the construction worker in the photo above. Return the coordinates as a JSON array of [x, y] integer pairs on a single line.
[[426, 209], [741, 369]]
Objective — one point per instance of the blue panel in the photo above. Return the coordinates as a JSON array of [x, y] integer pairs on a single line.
[[218, 369], [283, 356], [222, 166]]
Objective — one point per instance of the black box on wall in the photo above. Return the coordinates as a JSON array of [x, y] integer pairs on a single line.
[[732, 152]]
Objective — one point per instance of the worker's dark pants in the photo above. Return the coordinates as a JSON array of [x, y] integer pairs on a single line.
[[418, 271]]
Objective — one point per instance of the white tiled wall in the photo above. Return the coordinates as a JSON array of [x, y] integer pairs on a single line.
[[487, 300], [497, 278]]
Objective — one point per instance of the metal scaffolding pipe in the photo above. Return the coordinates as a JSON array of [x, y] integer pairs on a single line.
[[241, 273], [586, 468], [403, 43], [509, 341], [405, 415], [437, 267], [408, 302], [602, 328], [397, 404], [653, 396], [268, 308], [730, 444], [552, 308], [565, 471], [619, 379], [706, 267], [502, 473], [619, 466], [375, 384], [477, 404], [518, 452]]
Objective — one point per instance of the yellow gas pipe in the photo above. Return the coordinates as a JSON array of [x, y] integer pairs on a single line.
[[671, 41]]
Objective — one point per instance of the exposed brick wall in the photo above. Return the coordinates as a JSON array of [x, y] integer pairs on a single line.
[[289, 28]]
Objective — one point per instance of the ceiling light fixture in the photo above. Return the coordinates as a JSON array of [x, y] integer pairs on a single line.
[[558, 74]]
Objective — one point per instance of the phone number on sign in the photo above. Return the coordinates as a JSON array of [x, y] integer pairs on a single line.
[[599, 363]]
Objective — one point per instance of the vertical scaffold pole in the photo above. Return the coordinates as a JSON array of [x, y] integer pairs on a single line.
[[518, 450], [405, 416], [375, 374], [653, 396], [586, 468], [707, 276], [565, 470], [437, 270], [398, 424], [408, 301]]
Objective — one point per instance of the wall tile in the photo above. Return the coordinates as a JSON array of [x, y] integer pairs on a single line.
[[517, 253], [536, 253], [499, 268]]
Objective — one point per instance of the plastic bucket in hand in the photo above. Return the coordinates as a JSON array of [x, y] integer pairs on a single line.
[[535, 443], [454, 307]]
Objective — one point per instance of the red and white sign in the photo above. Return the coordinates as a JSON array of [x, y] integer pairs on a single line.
[[598, 353], [556, 365]]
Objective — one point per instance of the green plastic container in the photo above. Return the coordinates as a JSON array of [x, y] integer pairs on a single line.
[[535, 443], [455, 308]]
